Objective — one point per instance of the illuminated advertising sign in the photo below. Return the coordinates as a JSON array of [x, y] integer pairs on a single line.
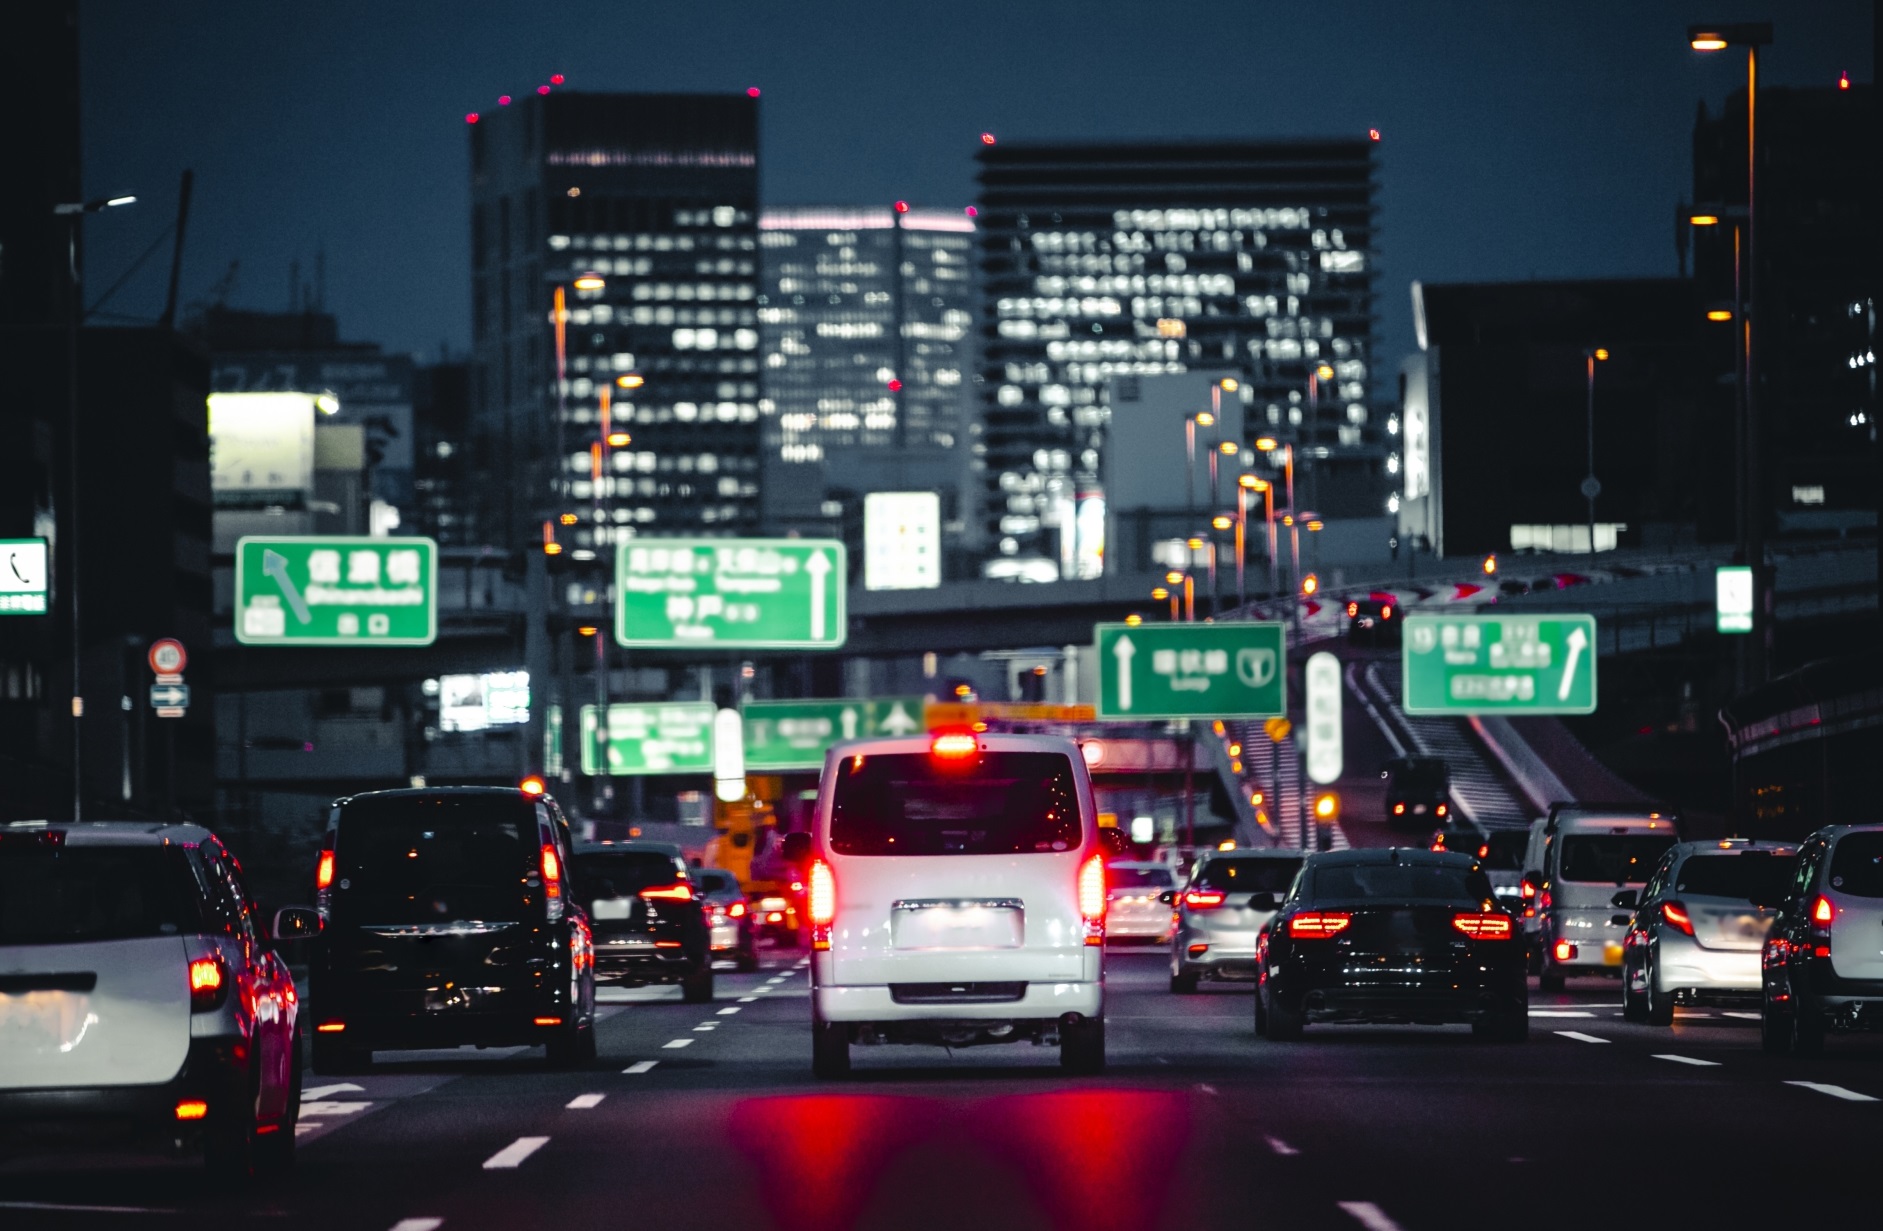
[[901, 541], [261, 446], [476, 702]]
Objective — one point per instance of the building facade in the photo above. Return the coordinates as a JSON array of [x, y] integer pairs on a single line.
[[1107, 261], [638, 214]]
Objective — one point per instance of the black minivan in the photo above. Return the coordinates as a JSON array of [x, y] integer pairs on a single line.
[[449, 918]]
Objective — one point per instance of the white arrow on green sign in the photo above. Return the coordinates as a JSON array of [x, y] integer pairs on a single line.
[[1499, 664], [336, 590], [661, 738], [787, 735], [1158, 671], [730, 593]]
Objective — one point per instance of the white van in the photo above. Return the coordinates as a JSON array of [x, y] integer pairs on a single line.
[[956, 894], [1579, 858]]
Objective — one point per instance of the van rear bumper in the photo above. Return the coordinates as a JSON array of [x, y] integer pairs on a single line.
[[1041, 1002], [51, 1116]]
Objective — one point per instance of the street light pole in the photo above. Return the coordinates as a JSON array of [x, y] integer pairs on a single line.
[[1591, 486]]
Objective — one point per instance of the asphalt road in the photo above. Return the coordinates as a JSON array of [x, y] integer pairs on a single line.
[[707, 1116]]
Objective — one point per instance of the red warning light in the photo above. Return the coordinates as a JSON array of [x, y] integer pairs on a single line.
[[542, 89], [1843, 81], [751, 91], [470, 117], [895, 386], [503, 100], [555, 79], [987, 138], [973, 213], [1373, 134], [902, 207]]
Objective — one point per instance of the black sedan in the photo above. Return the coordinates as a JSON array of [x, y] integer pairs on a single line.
[[1392, 935], [649, 917]]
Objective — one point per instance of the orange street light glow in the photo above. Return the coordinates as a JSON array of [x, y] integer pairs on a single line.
[[1708, 42], [630, 380], [1704, 220], [1719, 314], [1601, 352], [1266, 444], [1205, 419], [590, 282]]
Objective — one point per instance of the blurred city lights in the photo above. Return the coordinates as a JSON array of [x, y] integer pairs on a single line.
[[542, 89], [470, 117], [503, 100], [902, 207], [987, 138], [1373, 134], [751, 91], [555, 79]]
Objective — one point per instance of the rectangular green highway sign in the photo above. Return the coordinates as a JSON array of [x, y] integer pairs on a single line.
[[658, 738], [1499, 664], [1157, 671], [781, 735], [730, 593], [336, 590]]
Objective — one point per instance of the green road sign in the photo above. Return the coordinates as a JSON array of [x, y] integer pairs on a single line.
[[23, 577], [336, 591], [1498, 664], [730, 593], [660, 738], [1158, 671], [795, 734]]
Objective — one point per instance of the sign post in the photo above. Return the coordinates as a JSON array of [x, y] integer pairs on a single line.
[[794, 735], [1499, 664], [336, 591], [731, 594], [1153, 672]]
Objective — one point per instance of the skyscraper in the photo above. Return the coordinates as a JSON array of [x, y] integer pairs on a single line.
[[1104, 261], [639, 214]]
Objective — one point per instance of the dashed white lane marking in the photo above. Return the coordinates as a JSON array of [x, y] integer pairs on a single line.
[[1368, 1215], [418, 1224], [775, 980], [678, 1043], [747, 999], [1705, 1064], [1281, 1147], [705, 1026], [760, 991], [1833, 1091], [642, 1066], [582, 1102], [1749, 1017], [1580, 1037], [1560, 1013], [729, 1010], [512, 1155], [323, 1108], [81, 1209], [1206, 1087], [321, 1092]]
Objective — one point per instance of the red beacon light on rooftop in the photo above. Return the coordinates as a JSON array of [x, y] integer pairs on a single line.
[[542, 89], [503, 100], [1372, 134], [987, 138], [902, 207], [973, 212], [751, 91], [470, 117], [895, 386], [556, 79]]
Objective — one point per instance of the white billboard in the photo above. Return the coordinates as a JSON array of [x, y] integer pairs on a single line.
[[901, 541], [261, 443], [475, 702]]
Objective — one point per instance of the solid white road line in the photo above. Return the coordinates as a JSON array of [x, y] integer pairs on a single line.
[[1750, 1017], [582, 1102], [1281, 1147], [512, 1156], [321, 1092], [1707, 1064], [1833, 1091], [418, 1224], [747, 999], [324, 1108], [729, 1010], [1560, 1013], [1580, 1037], [1368, 1215], [678, 1043], [642, 1066], [81, 1209]]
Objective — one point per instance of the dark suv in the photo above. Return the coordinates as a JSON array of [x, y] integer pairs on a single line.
[[1418, 792], [649, 915], [450, 918]]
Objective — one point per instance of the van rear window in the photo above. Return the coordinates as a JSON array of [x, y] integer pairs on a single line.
[[1755, 876], [1397, 882], [993, 803], [1612, 859], [1264, 874], [1857, 865], [61, 895], [436, 859]]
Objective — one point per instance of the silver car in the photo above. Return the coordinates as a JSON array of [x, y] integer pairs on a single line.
[[1137, 901], [1699, 925], [1229, 898]]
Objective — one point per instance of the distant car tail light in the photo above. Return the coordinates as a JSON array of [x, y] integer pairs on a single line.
[[1318, 924], [207, 984], [331, 1028], [1483, 926], [669, 893], [736, 910], [323, 870], [192, 1109], [1386, 613], [823, 903], [953, 745], [552, 871], [1676, 916], [1399, 809], [1484, 851], [547, 1021], [1204, 899], [1092, 899], [1528, 889], [1823, 911], [1441, 810], [1565, 952]]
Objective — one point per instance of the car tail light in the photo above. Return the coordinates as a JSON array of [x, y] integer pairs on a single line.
[[1484, 851], [1483, 926], [1438, 844], [1386, 613], [1565, 952], [207, 984], [1543, 900], [669, 893], [823, 903], [736, 910], [1318, 924], [953, 745], [192, 1109], [1823, 911], [1092, 899], [1441, 810], [1399, 809], [323, 870], [331, 1028], [1676, 916], [1204, 899], [547, 1021], [1528, 889], [552, 871]]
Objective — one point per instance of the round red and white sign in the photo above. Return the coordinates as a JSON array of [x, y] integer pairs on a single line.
[[167, 656]]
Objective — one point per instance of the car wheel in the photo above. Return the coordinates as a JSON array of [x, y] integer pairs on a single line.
[[230, 1144], [1183, 982], [1082, 1047], [1807, 1030], [1633, 1003], [332, 1058], [1774, 1030], [830, 1049], [274, 1151], [697, 988], [1285, 1024], [1660, 1005]]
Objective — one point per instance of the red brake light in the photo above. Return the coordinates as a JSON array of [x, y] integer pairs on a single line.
[[1318, 924], [1484, 851], [1399, 809], [1565, 951], [1438, 844], [323, 871], [953, 745], [1386, 613], [1528, 890], [736, 910], [670, 893], [192, 1109], [1353, 609], [206, 980], [552, 871], [823, 903], [1823, 911], [1441, 810], [1204, 899], [1092, 899], [1483, 926], [1675, 913]]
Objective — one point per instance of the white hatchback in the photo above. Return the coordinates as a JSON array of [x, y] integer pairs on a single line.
[[956, 897]]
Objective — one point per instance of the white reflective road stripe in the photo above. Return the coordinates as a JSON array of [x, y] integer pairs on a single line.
[[582, 1102], [747, 999], [1580, 1037], [418, 1224], [1833, 1091], [678, 1043], [1709, 1064], [1281, 1147], [512, 1155], [1370, 1216], [729, 1010], [642, 1066], [1560, 1013]]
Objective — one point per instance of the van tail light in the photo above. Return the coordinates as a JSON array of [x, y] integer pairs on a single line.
[[1543, 900], [552, 871], [1318, 924], [1565, 951], [208, 985], [1676, 916], [1204, 899], [323, 870], [1483, 926], [823, 903], [192, 1109], [669, 893], [1092, 899], [736, 910], [1823, 911]]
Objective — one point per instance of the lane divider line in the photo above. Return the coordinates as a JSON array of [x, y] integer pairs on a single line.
[[706, 1026], [729, 1010], [1560, 1013], [1281, 1147], [1743, 1016], [418, 1224], [1705, 1064], [1833, 1091], [1580, 1037], [642, 1066], [511, 1156], [582, 1102], [1368, 1215], [747, 999], [678, 1043]]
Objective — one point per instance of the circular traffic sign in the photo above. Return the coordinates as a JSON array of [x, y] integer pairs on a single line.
[[167, 656]]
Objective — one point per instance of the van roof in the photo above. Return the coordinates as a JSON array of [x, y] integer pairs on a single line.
[[115, 833], [988, 741], [437, 792]]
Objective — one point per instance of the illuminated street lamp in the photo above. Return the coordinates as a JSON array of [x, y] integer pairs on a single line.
[[1591, 486], [1320, 372]]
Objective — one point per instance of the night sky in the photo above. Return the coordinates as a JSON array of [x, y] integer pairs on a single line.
[[1520, 139]]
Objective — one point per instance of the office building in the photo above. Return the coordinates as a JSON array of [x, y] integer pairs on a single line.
[[640, 211], [441, 485], [1105, 261]]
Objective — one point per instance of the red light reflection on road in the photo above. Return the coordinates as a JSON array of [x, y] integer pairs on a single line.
[[822, 1155], [1072, 1148]]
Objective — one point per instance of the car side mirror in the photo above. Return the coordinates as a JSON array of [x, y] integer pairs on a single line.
[[296, 923], [1627, 899], [797, 847], [1265, 900]]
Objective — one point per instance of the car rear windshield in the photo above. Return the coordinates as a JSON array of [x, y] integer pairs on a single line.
[[1420, 776], [1248, 875], [718, 882], [437, 859], [1127, 877], [993, 803], [59, 895], [1857, 865], [601, 875], [1503, 852], [1612, 859], [1755, 876], [1399, 883]]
